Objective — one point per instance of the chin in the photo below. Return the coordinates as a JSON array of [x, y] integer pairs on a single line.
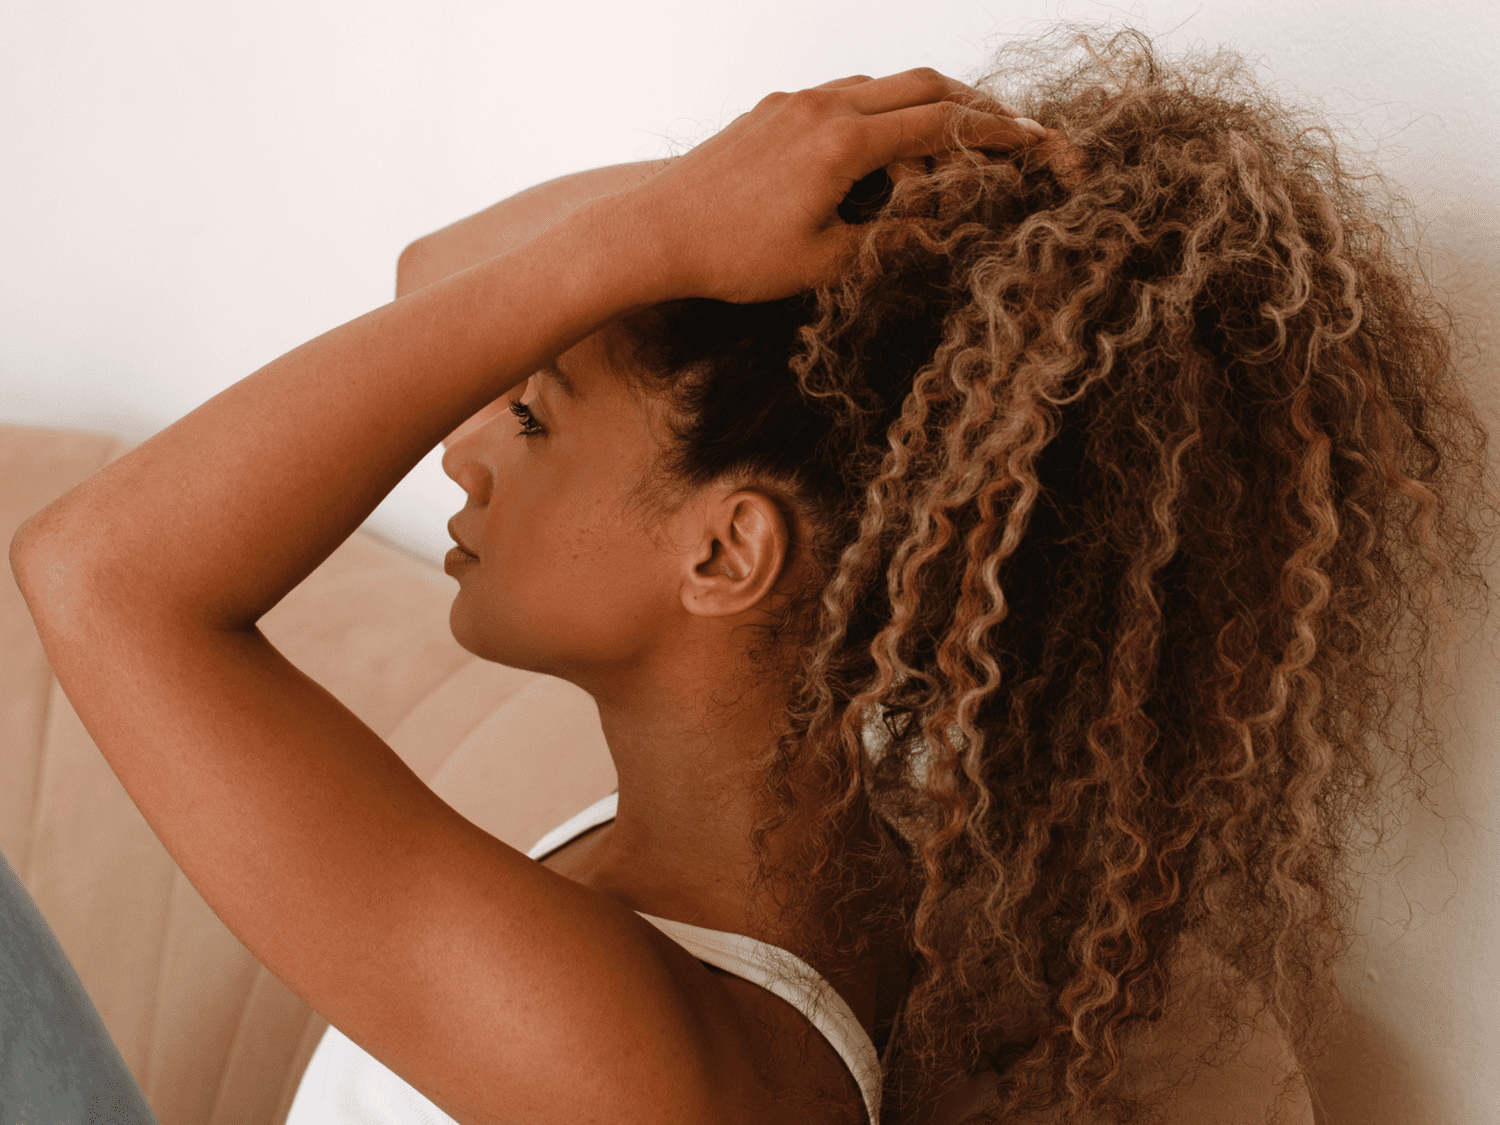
[[514, 646]]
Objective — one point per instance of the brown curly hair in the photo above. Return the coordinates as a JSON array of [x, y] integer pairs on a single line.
[[1132, 498]]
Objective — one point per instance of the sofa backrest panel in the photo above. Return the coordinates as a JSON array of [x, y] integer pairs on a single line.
[[36, 466], [210, 1034]]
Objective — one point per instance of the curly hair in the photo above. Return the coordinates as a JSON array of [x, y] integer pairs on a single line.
[[1137, 500]]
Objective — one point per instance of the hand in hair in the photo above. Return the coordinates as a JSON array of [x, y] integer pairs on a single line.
[[751, 214]]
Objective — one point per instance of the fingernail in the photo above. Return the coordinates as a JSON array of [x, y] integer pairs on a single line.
[[1031, 126]]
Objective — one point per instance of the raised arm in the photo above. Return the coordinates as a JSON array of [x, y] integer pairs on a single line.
[[307, 835], [503, 227], [515, 220], [499, 989]]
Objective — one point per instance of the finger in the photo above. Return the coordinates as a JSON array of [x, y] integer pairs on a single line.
[[840, 83], [982, 100], [975, 128], [921, 86], [919, 166], [968, 94], [916, 166], [937, 129], [925, 86], [905, 89]]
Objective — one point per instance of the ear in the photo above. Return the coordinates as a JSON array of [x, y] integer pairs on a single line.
[[738, 557]]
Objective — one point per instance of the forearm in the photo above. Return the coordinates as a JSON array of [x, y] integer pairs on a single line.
[[510, 223], [215, 518]]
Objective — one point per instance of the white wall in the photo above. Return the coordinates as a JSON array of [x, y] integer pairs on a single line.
[[188, 190]]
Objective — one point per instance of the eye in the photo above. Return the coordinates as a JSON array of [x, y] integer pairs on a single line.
[[530, 427]]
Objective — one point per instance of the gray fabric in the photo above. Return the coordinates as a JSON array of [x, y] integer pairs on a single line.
[[58, 1065]]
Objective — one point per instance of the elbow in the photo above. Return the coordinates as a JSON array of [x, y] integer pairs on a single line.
[[413, 267], [28, 554], [51, 570]]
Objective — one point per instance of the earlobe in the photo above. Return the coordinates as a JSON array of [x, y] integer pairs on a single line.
[[739, 556]]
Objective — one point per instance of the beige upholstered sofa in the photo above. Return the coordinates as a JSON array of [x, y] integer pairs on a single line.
[[212, 1037]]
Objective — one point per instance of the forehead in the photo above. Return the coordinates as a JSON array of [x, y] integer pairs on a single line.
[[592, 384], [598, 365], [559, 377]]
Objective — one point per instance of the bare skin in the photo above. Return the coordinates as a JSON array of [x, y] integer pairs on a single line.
[[498, 987], [503, 989]]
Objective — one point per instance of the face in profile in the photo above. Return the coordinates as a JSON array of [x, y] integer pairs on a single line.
[[560, 569]]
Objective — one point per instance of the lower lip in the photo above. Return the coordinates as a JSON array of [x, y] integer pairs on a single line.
[[457, 558]]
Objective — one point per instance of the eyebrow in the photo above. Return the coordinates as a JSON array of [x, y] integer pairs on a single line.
[[551, 368]]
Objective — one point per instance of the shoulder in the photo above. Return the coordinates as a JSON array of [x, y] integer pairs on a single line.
[[1218, 1055]]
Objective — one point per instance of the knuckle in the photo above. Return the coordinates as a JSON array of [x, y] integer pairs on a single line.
[[809, 104], [931, 79], [810, 98], [951, 115]]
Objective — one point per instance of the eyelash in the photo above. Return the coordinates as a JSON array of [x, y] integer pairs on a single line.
[[530, 427]]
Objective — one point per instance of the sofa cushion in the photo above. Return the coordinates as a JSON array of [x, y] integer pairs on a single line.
[[209, 1033]]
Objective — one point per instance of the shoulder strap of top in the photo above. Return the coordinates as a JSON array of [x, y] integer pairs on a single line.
[[779, 972], [600, 812], [786, 975]]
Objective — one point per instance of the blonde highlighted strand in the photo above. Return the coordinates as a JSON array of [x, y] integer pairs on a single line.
[[1135, 490]]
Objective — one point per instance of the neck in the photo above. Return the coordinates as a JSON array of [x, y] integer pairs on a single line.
[[691, 744], [690, 754]]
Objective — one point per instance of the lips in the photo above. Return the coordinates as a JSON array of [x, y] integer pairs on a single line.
[[462, 546]]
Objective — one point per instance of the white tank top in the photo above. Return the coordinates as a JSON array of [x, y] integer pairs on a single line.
[[345, 1085]]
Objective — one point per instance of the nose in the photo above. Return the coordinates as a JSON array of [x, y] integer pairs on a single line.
[[464, 465]]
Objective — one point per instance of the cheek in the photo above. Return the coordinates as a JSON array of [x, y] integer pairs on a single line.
[[563, 586]]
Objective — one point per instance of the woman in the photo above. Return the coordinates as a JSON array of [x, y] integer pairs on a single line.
[[988, 607]]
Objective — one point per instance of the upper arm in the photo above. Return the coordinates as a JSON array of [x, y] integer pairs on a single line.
[[1201, 1071], [482, 978], [1259, 1085], [1187, 1065]]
